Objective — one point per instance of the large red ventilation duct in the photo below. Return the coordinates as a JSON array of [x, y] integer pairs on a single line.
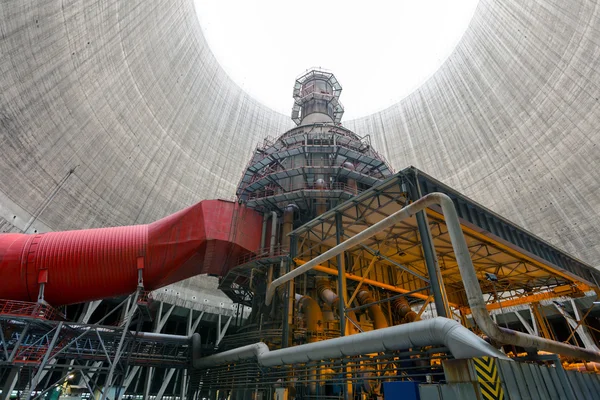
[[85, 265]]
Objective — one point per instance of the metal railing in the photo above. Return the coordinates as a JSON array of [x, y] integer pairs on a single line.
[[301, 187], [364, 373], [265, 252], [29, 309]]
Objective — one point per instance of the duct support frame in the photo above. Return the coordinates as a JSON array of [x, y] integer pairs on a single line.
[[467, 272]]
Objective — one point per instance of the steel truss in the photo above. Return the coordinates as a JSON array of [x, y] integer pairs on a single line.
[[34, 348], [497, 247]]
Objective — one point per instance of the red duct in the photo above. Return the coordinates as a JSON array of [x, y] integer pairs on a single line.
[[85, 265]]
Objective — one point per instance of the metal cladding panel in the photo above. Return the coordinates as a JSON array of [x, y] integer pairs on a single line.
[[13, 284], [90, 264]]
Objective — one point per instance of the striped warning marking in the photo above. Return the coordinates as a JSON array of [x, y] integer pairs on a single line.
[[488, 378]]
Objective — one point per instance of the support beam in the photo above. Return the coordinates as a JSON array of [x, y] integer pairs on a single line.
[[162, 320], [128, 379], [10, 383], [431, 262], [342, 291], [37, 377], [131, 308], [534, 324], [576, 326], [528, 327], [222, 330], [164, 385], [88, 311], [192, 328], [365, 274], [4, 345]]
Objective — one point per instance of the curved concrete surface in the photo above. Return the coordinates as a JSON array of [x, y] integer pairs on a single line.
[[512, 119], [130, 94]]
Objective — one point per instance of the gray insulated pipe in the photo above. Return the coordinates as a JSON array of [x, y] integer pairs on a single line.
[[467, 273], [440, 331]]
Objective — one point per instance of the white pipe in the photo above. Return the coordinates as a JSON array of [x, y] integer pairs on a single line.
[[161, 337], [461, 342], [263, 233], [467, 272], [272, 245], [273, 234]]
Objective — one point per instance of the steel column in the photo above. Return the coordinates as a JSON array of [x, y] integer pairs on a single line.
[[343, 296], [3, 343], [342, 292], [433, 268], [131, 309], [221, 330], [11, 381], [38, 375], [164, 385], [285, 340]]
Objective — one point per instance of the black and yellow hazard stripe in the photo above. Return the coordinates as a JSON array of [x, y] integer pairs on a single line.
[[488, 378]]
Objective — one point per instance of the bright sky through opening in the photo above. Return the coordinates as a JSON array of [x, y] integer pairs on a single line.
[[380, 51]]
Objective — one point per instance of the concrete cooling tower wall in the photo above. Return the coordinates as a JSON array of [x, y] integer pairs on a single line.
[[512, 119], [117, 113]]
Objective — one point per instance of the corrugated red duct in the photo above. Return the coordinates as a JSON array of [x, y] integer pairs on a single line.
[[85, 265]]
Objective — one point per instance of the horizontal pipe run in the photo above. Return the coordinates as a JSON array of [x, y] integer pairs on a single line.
[[460, 341], [371, 282], [467, 272], [162, 337]]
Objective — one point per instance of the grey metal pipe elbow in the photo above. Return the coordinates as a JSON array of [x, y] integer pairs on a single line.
[[475, 295], [461, 342], [250, 351]]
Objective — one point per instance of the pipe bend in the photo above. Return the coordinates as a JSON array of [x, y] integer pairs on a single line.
[[475, 295], [256, 350], [461, 342], [375, 314]]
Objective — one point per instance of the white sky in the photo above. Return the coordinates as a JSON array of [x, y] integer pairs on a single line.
[[380, 51]]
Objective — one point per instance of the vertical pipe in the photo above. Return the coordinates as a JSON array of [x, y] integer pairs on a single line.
[[273, 233], [263, 233], [271, 244], [433, 268], [341, 276], [288, 227], [293, 250]]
